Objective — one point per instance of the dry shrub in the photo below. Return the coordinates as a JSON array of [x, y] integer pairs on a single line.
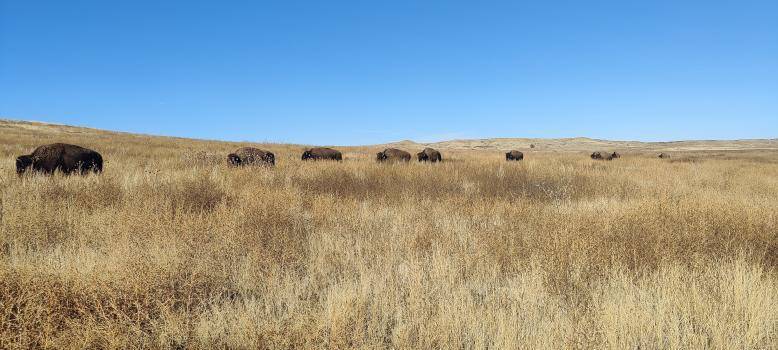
[[169, 248], [270, 229], [35, 219], [681, 307], [64, 312], [198, 194], [203, 158]]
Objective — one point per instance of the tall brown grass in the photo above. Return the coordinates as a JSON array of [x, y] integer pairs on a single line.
[[170, 248]]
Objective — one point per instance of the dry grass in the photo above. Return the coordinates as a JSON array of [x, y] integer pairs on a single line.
[[170, 248]]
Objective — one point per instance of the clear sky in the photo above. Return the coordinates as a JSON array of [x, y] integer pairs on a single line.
[[359, 72]]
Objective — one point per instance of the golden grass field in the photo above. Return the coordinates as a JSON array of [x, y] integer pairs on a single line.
[[171, 248]]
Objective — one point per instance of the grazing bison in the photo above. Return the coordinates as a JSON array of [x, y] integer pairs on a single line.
[[393, 154], [251, 156], [615, 155], [514, 155], [322, 153], [429, 154], [664, 155], [602, 156], [67, 158]]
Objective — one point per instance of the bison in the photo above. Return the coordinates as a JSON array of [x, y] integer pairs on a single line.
[[393, 154], [67, 158], [251, 156], [664, 155], [615, 155], [322, 153], [514, 155], [602, 156], [429, 154]]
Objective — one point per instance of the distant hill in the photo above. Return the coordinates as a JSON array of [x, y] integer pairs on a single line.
[[587, 144], [577, 144]]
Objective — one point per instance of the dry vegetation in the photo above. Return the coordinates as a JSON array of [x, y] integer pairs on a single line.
[[170, 248]]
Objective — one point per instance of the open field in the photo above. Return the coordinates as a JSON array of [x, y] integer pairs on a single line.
[[171, 248]]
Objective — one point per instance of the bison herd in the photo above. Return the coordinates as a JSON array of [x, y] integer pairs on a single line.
[[71, 159]]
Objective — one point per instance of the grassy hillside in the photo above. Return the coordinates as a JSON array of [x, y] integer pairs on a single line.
[[171, 248], [587, 144]]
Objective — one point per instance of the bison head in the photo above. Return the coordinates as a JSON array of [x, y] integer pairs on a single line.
[[422, 156], [22, 163], [271, 158], [307, 155], [234, 159], [380, 156]]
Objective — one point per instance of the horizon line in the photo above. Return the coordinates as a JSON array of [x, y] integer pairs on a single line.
[[12, 119]]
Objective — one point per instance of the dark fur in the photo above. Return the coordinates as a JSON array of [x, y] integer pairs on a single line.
[[514, 155], [615, 155], [429, 155], [393, 154], [22, 163], [322, 153], [602, 156], [664, 155], [60, 156], [251, 156]]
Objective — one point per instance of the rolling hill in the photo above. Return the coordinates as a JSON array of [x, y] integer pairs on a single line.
[[576, 144]]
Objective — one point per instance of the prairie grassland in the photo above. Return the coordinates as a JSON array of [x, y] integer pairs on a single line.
[[170, 248]]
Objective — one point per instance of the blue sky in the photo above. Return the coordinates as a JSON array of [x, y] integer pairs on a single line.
[[360, 72]]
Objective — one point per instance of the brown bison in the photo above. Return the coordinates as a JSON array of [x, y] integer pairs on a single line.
[[514, 155], [602, 156], [251, 156], [67, 158], [393, 154], [664, 155], [429, 154], [615, 155], [322, 153]]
